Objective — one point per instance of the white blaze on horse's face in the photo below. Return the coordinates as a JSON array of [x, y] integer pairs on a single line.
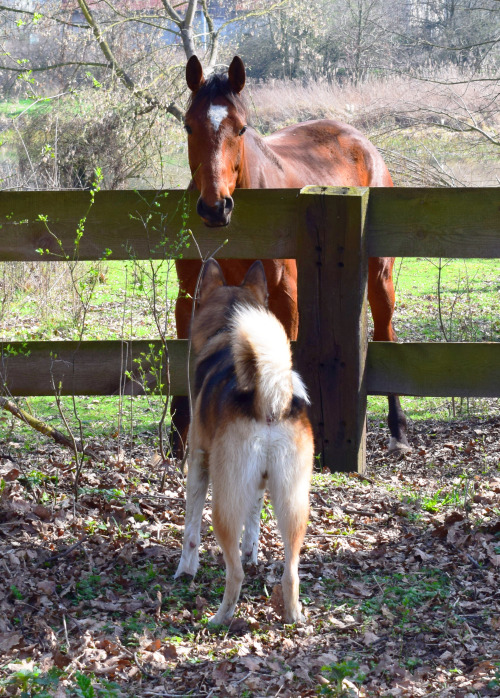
[[216, 115]]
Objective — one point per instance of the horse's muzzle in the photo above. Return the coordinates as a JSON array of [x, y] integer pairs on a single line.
[[218, 215]]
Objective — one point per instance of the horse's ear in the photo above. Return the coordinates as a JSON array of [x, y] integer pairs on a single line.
[[194, 74], [256, 281], [212, 278], [236, 74]]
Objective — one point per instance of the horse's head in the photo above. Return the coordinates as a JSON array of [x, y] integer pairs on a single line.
[[215, 122]]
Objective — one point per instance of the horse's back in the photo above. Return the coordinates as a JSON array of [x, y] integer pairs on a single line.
[[329, 153]]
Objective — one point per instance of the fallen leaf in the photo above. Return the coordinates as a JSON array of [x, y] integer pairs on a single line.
[[276, 600], [47, 586], [369, 638], [10, 640]]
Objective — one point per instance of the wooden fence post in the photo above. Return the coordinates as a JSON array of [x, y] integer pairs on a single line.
[[332, 343]]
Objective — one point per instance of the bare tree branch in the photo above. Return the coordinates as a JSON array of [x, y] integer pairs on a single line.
[[185, 25], [104, 46], [51, 17], [151, 100], [214, 37], [26, 68]]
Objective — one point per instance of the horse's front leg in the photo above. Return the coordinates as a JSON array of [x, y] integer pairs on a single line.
[[381, 297], [188, 271], [281, 275]]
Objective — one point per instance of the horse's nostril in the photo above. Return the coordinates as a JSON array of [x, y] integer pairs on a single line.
[[203, 209], [218, 214]]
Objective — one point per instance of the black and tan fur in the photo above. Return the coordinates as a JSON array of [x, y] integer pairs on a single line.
[[249, 431]]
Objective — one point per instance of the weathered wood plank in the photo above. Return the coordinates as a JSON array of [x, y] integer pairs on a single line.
[[144, 224], [88, 368], [331, 347], [434, 222], [434, 370], [401, 222]]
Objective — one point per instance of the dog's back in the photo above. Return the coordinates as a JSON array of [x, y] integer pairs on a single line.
[[244, 372], [250, 427]]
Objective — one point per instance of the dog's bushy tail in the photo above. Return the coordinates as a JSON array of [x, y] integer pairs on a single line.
[[263, 361]]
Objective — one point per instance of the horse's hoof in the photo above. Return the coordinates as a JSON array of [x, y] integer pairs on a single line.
[[398, 448]]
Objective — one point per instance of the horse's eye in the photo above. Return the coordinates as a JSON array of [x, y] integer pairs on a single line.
[[242, 131], [188, 128]]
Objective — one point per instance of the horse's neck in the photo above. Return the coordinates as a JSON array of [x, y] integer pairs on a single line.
[[261, 167]]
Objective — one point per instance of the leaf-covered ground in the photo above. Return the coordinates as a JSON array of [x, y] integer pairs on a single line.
[[400, 577]]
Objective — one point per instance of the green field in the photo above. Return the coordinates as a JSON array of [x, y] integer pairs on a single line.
[[14, 108], [447, 300]]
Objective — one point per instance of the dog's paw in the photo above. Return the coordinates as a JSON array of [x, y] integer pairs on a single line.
[[294, 615], [220, 619], [249, 557], [186, 567]]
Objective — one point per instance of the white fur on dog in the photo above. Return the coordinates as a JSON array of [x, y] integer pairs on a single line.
[[261, 347]]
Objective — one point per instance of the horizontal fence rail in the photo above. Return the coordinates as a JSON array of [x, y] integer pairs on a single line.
[[98, 368], [266, 223], [330, 231]]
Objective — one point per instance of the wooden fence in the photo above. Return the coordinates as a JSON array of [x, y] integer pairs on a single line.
[[330, 231]]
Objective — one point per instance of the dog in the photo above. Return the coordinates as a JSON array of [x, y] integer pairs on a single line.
[[249, 431]]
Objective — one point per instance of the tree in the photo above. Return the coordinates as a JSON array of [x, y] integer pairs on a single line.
[[143, 44]]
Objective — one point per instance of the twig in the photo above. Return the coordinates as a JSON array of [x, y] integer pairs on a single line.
[[66, 633], [474, 562], [359, 512], [359, 476], [158, 496], [178, 695], [334, 535], [63, 553], [317, 494], [141, 667]]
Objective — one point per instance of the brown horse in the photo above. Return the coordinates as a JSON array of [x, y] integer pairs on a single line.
[[225, 153]]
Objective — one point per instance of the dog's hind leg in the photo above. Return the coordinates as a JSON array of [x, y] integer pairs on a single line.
[[196, 493], [233, 492], [228, 530], [250, 541], [290, 496]]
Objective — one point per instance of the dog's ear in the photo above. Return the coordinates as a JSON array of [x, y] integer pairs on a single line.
[[212, 278], [256, 281]]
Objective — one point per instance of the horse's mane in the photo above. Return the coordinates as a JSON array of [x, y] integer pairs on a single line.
[[217, 86]]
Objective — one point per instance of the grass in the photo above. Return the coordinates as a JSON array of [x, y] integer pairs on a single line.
[[470, 300], [470, 296], [120, 306], [14, 108], [98, 416]]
